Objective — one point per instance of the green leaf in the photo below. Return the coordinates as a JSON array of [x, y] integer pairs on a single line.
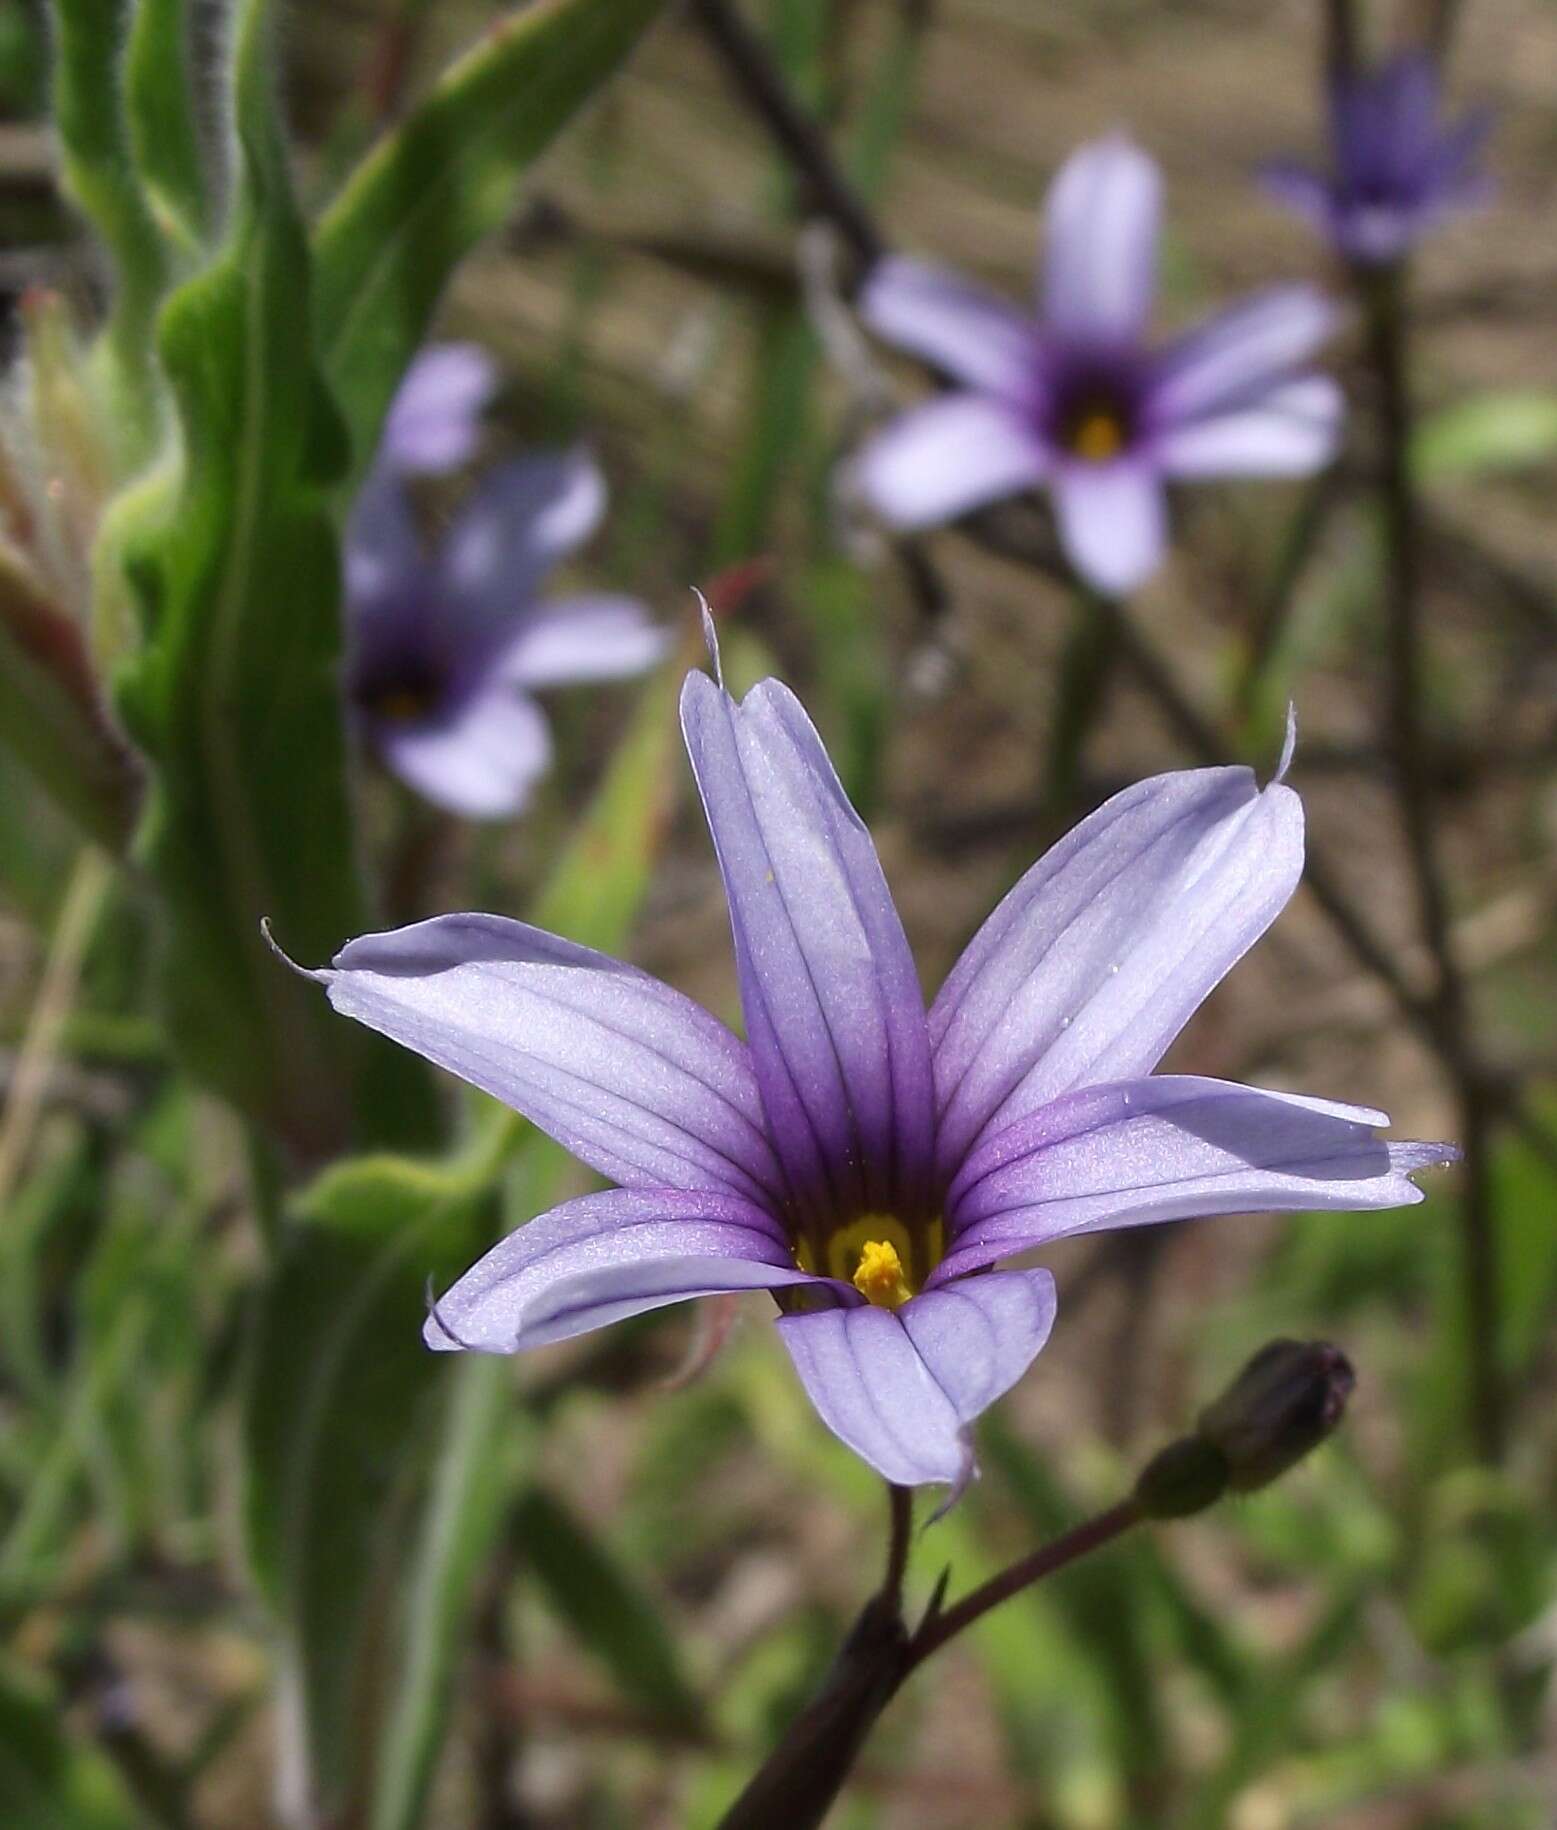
[[444, 179], [99, 175], [594, 1595], [234, 693], [162, 127], [1485, 434], [337, 1384], [47, 1780]]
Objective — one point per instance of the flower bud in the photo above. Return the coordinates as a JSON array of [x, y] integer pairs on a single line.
[[1182, 1479], [1284, 1403]]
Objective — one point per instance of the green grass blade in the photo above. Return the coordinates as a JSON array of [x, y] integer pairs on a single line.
[[444, 179]]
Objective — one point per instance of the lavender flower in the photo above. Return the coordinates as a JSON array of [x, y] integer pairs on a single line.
[[1397, 172], [1075, 400], [867, 1161], [434, 422], [445, 647]]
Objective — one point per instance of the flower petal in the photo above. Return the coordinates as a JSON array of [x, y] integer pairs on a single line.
[[1112, 521], [1233, 359], [1171, 1147], [604, 1257], [518, 522], [382, 549], [1098, 957], [901, 1387], [1100, 258], [572, 639], [950, 455], [1291, 432], [834, 1013], [480, 761], [434, 421], [1302, 190], [632, 1077], [967, 333]]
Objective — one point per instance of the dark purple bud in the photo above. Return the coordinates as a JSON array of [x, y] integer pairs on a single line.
[[1284, 1403]]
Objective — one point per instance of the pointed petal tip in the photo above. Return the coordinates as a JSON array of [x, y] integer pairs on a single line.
[[1288, 745], [303, 972], [710, 637]]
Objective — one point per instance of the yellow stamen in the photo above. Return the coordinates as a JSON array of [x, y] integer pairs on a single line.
[[879, 1275], [1097, 435]]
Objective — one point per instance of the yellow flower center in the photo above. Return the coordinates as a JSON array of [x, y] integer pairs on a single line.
[[885, 1261], [879, 1275], [1097, 434]]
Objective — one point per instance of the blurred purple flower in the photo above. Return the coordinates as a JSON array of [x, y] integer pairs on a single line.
[[434, 422], [863, 1159], [1074, 399], [1397, 173], [445, 647]]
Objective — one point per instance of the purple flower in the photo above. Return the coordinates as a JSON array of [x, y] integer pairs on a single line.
[[867, 1161], [1075, 399], [1397, 172], [434, 422], [445, 647]]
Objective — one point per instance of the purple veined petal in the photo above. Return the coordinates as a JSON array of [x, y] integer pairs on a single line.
[[1100, 243], [594, 637], [633, 1078], [1097, 958], [1292, 431], [480, 760], [834, 1011], [434, 421], [518, 522], [382, 549], [1113, 522], [958, 328], [901, 1387], [1235, 357], [1171, 1147], [941, 459], [604, 1257]]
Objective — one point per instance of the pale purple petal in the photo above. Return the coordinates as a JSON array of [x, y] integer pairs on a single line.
[[480, 759], [967, 333], [1169, 1148], [434, 421], [518, 522], [901, 1387], [939, 460], [1303, 190], [834, 1013], [594, 637], [1100, 256], [1113, 522], [604, 1257], [382, 548], [633, 1078], [1292, 431], [1234, 358], [1098, 957]]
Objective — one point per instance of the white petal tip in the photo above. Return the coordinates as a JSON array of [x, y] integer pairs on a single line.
[[303, 972], [1288, 744], [710, 637]]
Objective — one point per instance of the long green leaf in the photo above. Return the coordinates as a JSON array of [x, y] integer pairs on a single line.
[[100, 176], [160, 110], [234, 692], [444, 179], [337, 1385], [592, 1592]]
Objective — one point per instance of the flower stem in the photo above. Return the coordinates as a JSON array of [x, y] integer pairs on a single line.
[[1388, 334]]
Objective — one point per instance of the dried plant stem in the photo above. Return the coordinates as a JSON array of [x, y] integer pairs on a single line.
[[1384, 298], [83, 901]]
